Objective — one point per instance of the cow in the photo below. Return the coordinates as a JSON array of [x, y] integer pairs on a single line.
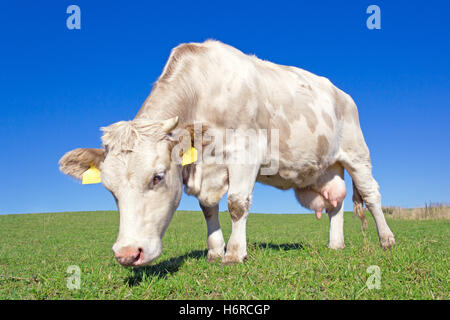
[[220, 88]]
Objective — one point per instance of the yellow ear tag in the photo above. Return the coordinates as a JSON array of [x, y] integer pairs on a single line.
[[189, 156], [91, 175]]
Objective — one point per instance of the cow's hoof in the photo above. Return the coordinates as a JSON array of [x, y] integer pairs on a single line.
[[230, 259], [387, 241], [213, 256], [336, 246]]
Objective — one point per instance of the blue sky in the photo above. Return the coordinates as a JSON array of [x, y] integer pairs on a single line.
[[59, 86]]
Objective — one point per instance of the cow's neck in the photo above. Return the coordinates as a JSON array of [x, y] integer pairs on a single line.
[[165, 102]]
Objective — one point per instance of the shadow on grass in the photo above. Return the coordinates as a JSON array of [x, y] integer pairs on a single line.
[[172, 265], [282, 246], [162, 269]]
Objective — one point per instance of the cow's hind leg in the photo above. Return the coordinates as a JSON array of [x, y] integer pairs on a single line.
[[361, 173], [216, 244], [336, 215], [332, 184]]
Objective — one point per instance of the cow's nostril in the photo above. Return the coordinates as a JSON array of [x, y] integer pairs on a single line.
[[139, 255]]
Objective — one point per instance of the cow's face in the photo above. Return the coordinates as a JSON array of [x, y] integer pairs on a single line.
[[136, 168]]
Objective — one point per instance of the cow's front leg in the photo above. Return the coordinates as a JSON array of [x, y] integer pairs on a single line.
[[241, 183], [238, 207], [336, 215], [216, 243]]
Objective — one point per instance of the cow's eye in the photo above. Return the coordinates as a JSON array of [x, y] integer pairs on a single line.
[[157, 178]]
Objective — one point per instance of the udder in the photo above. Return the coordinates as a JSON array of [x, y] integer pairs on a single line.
[[327, 193]]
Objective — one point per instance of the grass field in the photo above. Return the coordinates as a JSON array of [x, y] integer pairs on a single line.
[[288, 259]]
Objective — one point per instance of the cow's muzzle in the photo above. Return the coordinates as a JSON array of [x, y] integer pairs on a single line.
[[129, 256]]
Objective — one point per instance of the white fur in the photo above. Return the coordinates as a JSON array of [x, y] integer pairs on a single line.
[[219, 86]]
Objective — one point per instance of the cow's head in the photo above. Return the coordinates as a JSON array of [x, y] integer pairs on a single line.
[[137, 168]]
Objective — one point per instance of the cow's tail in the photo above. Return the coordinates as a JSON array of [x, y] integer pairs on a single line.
[[358, 209]]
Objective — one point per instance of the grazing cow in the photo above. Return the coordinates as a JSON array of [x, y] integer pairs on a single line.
[[317, 136]]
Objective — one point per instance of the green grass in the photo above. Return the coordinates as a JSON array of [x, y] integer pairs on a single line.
[[288, 259]]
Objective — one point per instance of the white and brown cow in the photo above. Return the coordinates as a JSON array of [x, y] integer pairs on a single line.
[[221, 88]]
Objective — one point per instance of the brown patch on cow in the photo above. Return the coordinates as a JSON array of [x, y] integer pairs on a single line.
[[285, 151], [128, 176], [265, 120], [236, 210], [237, 207], [354, 114], [322, 146], [288, 174], [290, 111], [303, 100], [309, 171], [178, 55], [328, 120], [77, 161], [263, 116], [340, 104], [345, 108], [284, 131], [220, 119], [200, 135], [283, 126], [311, 118]]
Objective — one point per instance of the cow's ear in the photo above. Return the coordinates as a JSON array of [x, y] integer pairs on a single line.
[[181, 139], [200, 130], [74, 163]]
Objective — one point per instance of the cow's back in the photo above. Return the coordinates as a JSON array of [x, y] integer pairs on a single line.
[[247, 92], [216, 84]]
